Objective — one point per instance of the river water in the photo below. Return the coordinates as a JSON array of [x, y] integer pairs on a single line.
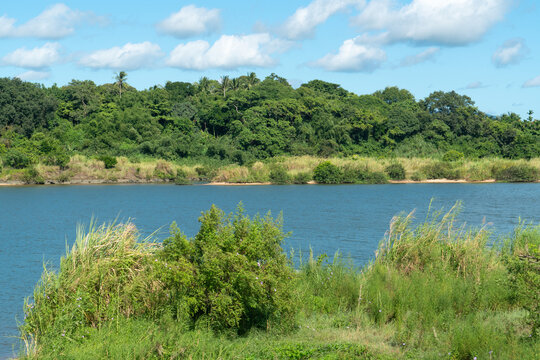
[[36, 223]]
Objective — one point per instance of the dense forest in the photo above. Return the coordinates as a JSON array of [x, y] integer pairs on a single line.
[[243, 119]]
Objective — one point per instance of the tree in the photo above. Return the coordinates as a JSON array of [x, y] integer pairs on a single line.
[[120, 78], [251, 80], [225, 84]]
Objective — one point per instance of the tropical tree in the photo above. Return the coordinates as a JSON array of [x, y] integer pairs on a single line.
[[120, 78], [225, 84], [251, 80]]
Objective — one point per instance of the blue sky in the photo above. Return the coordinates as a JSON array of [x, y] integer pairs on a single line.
[[487, 49]]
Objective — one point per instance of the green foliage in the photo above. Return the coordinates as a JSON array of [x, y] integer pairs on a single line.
[[302, 178], [16, 159], [441, 170], [516, 173], [32, 176], [241, 278], [279, 175], [181, 178], [327, 173], [452, 155], [395, 171], [109, 161]]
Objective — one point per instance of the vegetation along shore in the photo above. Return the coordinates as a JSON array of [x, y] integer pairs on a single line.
[[248, 130], [434, 290]]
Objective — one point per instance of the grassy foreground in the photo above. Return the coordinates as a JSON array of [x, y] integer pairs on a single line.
[[279, 170], [433, 291]]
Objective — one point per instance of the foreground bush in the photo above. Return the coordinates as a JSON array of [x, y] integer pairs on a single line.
[[395, 171]]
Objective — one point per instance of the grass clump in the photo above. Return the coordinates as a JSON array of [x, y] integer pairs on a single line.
[[516, 173]]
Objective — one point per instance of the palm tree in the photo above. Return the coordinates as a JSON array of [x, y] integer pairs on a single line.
[[252, 79], [204, 84], [225, 83], [235, 84], [121, 78]]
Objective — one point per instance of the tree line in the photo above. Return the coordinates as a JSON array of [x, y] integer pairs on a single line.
[[245, 118]]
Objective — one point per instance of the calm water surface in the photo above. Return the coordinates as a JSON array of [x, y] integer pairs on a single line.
[[36, 223]]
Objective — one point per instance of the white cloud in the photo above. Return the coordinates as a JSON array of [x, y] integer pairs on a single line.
[[425, 55], [511, 52], [303, 22], [34, 75], [352, 57], [228, 52], [190, 21], [55, 22], [450, 22], [128, 57], [532, 82], [475, 85], [36, 58]]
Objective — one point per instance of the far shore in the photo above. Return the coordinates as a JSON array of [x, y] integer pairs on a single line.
[[222, 183]]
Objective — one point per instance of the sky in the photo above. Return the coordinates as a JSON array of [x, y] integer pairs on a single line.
[[486, 49]]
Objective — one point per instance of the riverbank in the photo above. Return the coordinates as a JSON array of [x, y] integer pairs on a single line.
[[428, 293], [282, 170]]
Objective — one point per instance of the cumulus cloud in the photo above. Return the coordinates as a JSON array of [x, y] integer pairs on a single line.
[[33, 75], [303, 22], [450, 22], [190, 21], [55, 22], [511, 52], [36, 58], [228, 52], [532, 82], [353, 56], [128, 57], [425, 55]]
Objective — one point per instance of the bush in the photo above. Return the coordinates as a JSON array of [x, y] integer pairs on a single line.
[[441, 170], [327, 173], [109, 161], [32, 176], [206, 173], [302, 178], [395, 171], [16, 159], [181, 178], [453, 155], [279, 175], [516, 173], [242, 278]]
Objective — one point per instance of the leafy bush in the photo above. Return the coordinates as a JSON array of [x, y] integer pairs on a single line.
[[242, 278], [395, 171], [302, 178], [181, 178], [16, 159], [206, 173], [516, 173], [327, 173], [441, 170], [453, 155], [279, 175], [109, 161], [32, 176]]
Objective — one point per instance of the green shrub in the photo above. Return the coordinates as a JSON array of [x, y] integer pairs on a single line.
[[327, 173], [109, 161], [441, 170], [16, 159], [181, 178], [32, 176], [374, 177], [242, 278], [206, 173], [516, 173], [302, 178], [60, 159], [395, 171], [278, 175], [453, 155]]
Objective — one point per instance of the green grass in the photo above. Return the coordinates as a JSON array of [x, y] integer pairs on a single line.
[[433, 291]]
